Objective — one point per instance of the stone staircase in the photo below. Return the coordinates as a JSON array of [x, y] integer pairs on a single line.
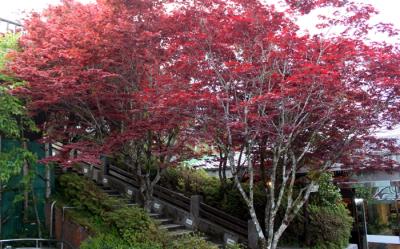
[[173, 229]]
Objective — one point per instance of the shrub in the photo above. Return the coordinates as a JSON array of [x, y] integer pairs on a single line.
[[134, 226], [105, 241], [84, 194], [191, 241], [235, 246], [330, 227], [330, 220]]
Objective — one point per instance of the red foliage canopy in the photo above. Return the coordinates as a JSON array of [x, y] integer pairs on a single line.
[[117, 71]]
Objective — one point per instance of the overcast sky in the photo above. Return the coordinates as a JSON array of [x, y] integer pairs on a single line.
[[11, 9]]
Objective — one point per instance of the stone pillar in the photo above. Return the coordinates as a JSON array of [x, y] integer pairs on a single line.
[[195, 201], [252, 235], [85, 169], [105, 164]]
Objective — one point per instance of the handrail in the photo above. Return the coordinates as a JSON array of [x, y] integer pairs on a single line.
[[223, 219], [161, 192], [217, 216], [37, 241], [220, 213], [172, 197], [123, 176]]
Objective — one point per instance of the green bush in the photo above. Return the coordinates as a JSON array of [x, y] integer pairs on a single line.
[[191, 241], [197, 182], [330, 227], [235, 246], [84, 194], [134, 226], [105, 241], [330, 222]]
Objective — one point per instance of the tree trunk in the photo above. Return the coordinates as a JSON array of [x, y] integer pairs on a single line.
[[261, 237], [146, 191], [48, 172], [25, 172], [35, 207]]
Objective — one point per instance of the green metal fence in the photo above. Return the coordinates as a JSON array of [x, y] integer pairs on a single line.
[[12, 204]]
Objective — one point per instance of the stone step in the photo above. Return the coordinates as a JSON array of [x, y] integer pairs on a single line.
[[128, 201], [132, 204], [171, 226], [163, 221], [180, 232], [154, 215], [213, 242], [111, 192]]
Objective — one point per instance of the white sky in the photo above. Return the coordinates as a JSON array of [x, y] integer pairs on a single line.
[[12, 9]]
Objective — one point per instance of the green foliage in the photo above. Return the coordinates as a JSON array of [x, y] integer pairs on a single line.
[[12, 161], [235, 246], [330, 226], [112, 241], [191, 241], [8, 43], [133, 225], [105, 241], [13, 117], [115, 226], [328, 194], [224, 197], [364, 192], [330, 220], [105, 215], [84, 195]]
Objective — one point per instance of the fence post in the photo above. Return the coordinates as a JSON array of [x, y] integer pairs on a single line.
[[252, 236], [106, 165], [195, 201], [103, 172]]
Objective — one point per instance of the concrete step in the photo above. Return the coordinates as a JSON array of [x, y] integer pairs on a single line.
[[128, 201], [154, 215], [213, 242], [109, 190], [132, 204], [180, 232], [171, 226], [163, 221]]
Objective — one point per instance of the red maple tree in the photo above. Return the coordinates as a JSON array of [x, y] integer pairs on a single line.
[[285, 101], [148, 79], [95, 74]]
